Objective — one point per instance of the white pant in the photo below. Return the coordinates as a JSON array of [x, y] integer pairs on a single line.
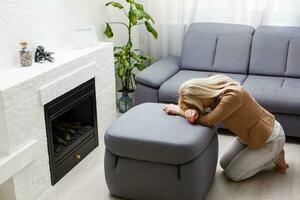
[[241, 162]]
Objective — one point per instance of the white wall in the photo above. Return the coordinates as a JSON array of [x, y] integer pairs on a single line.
[[48, 23]]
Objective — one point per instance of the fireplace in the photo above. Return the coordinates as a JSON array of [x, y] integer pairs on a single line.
[[71, 123]]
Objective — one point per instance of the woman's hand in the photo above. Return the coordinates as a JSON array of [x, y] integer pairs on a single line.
[[172, 109], [191, 115]]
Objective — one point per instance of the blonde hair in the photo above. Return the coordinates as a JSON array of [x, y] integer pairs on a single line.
[[193, 91]]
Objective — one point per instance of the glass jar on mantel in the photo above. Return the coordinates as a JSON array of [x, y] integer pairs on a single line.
[[125, 102], [25, 55]]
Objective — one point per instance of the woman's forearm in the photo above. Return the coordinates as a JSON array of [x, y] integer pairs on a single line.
[[201, 120], [181, 113]]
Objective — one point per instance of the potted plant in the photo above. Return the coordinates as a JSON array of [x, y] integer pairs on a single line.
[[126, 57]]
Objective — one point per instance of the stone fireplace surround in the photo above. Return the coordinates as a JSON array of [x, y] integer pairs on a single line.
[[24, 162]]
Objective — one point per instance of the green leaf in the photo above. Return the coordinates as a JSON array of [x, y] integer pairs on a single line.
[[117, 48], [139, 6], [121, 70], [147, 16], [108, 31], [126, 63], [140, 66], [151, 29], [137, 58], [134, 16], [140, 14], [117, 53], [146, 58], [130, 1], [116, 56], [115, 4]]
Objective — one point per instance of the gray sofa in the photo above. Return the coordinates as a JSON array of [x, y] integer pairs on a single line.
[[266, 61]]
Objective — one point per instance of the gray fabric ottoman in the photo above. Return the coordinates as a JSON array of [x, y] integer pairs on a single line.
[[152, 156]]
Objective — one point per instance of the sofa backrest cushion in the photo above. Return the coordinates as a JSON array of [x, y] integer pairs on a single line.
[[276, 51], [217, 47]]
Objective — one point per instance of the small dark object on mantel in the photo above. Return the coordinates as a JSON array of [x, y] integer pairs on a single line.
[[41, 55]]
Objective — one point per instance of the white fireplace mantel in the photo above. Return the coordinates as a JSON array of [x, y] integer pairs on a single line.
[[24, 162], [13, 76]]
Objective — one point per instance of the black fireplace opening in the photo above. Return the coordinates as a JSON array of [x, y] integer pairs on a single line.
[[71, 123]]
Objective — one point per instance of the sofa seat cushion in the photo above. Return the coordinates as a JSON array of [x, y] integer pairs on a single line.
[[147, 133], [168, 92], [276, 94]]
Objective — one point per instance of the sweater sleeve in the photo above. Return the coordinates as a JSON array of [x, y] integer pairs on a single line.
[[230, 102]]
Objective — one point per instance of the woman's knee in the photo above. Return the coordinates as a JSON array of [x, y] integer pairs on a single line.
[[231, 152], [233, 175]]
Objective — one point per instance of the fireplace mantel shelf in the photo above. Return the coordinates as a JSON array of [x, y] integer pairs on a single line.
[[16, 75], [12, 164]]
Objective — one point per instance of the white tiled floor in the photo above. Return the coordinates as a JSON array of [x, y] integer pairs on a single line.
[[86, 181]]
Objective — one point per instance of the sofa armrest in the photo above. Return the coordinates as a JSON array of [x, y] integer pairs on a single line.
[[159, 72]]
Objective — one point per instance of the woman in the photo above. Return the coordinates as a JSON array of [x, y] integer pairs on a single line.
[[261, 138]]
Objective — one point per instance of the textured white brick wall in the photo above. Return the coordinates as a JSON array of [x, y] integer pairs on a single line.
[[4, 145], [24, 114], [65, 83], [45, 22]]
